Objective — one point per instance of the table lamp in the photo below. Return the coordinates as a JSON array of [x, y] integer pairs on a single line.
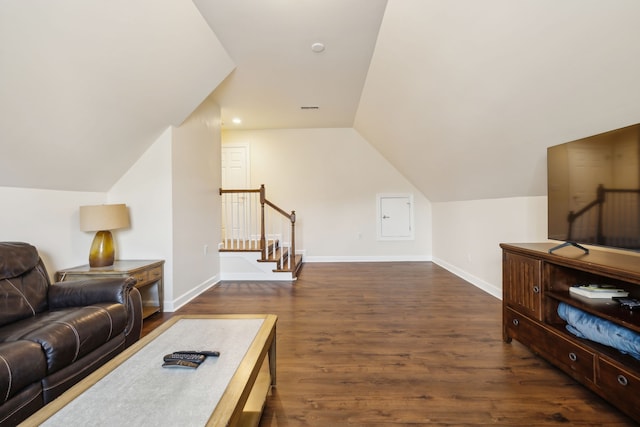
[[103, 219]]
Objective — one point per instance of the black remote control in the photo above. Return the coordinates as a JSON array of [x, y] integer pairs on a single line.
[[180, 364], [204, 353], [188, 357], [629, 303]]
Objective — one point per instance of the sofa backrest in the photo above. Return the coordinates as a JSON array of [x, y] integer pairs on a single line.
[[23, 282]]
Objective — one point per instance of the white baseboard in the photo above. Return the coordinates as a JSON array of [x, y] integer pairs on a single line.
[[399, 258], [171, 306], [259, 277], [475, 281], [245, 266]]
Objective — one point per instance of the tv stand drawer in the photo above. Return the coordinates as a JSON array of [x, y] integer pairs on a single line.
[[619, 384], [560, 351]]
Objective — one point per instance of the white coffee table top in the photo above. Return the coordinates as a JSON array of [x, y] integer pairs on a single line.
[[139, 391]]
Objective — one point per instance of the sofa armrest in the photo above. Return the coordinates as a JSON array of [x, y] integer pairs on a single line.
[[134, 326], [79, 293]]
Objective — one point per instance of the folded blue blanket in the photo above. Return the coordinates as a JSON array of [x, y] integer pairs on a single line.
[[585, 325]]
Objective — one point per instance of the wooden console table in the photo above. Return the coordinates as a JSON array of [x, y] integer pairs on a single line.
[[149, 275]]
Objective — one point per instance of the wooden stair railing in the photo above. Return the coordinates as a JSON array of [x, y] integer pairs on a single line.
[[251, 222]]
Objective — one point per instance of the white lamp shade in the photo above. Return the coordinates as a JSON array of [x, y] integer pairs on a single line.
[[104, 217]]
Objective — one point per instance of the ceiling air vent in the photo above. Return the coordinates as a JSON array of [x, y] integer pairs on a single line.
[[310, 107]]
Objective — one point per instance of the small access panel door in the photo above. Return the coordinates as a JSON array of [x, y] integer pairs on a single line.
[[395, 217]]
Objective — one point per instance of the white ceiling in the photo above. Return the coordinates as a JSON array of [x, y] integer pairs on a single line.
[[87, 86], [277, 72], [464, 96], [461, 96]]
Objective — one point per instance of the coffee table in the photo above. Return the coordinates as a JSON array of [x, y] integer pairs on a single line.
[[134, 389]]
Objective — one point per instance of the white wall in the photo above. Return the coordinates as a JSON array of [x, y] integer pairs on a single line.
[[330, 177], [196, 203], [172, 194], [467, 234], [48, 219], [146, 190]]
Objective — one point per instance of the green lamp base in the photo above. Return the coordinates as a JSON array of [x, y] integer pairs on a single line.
[[102, 251]]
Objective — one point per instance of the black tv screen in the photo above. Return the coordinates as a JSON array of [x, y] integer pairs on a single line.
[[594, 190]]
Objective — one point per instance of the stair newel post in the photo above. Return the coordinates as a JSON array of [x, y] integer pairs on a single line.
[[263, 240], [223, 219], [292, 255]]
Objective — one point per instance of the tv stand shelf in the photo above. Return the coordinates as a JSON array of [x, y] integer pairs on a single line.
[[535, 282], [606, 309]]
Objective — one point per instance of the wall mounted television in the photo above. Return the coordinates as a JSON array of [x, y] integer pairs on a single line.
[[594, 190]]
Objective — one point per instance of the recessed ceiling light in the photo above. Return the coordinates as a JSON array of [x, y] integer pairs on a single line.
[[236, 120], [317, 47]]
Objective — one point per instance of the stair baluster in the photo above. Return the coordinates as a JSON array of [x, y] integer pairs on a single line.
[[244, 211]]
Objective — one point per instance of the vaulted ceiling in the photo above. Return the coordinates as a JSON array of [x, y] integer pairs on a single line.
[[278, 73], [464, 96], [461, 96], [87, 86]]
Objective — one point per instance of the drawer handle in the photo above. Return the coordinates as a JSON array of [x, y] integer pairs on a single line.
[[622, 380], [536, 289], [573, 357], [516, 322]]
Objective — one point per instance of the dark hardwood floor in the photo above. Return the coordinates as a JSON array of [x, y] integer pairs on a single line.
[[372, 344]]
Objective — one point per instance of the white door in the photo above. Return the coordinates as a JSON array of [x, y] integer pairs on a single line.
[[235, 207], [395, 217], [235, 166]]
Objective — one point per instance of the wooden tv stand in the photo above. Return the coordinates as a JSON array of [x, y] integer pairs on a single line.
[[535, 282]]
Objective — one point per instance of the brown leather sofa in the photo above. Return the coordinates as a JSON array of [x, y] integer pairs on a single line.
[[54, 334]]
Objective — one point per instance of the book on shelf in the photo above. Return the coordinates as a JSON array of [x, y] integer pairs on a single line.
[[598, 291]]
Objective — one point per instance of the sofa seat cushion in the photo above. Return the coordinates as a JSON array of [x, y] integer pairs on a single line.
[[57, 383], [68, 334], [21, 363]]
